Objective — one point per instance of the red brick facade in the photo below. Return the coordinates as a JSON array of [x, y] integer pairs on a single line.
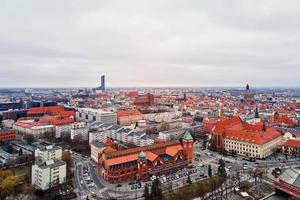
[[141, 162], [6, 135]]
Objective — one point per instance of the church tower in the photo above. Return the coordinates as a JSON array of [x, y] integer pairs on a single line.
[[142, 166], [188, 147], [248, 96]]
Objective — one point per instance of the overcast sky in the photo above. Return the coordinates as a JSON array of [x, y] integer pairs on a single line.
[[66, 43]]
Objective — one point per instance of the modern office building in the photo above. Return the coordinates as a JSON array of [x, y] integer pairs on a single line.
[[102, 87], [96, 115]]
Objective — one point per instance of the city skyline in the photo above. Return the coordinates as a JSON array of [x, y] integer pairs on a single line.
[[149, 44]]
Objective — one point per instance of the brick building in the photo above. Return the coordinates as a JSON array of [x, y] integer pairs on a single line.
[[7, 134], [127, 117], [145, 100], [142, 162], [292, 147], [235, 135]]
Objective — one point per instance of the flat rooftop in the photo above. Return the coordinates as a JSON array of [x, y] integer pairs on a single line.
[[99, 111], [51, 164]]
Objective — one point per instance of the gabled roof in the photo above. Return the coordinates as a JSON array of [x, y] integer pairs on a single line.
[[151, 156], [292, 143], [187, 136], [123, 113], [172, 150], [235, 129], [122, 159]]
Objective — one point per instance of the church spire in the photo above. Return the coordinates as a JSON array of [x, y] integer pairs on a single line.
[[247, 87], [256, 114]]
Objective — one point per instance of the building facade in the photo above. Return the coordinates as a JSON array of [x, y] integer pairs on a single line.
[[96, 115], [142, 162], [48, 174], [292, 147], [128, 117], [235, 135], [97, 148], [7, 134], [79, 130], [31, 127], [49, 152]]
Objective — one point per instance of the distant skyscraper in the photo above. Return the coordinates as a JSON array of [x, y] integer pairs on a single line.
[[102, 87]]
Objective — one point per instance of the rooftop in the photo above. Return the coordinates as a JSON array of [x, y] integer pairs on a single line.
[[98, 111], [51, 164]]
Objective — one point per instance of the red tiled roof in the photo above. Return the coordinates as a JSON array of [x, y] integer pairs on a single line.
[[172, 150], [153, 148], [284, 119], [109, 149], [123, 159], [29, 124], [235, 129], [42, 110], [56, 120], [292, 143], [257, 137], [151, 156], [121, 113]]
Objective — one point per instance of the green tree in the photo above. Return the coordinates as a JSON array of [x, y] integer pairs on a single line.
[[146, 193], [20, 151], [221, 168], [66, 156], [156, 190], [189, 180], [7, 185], [209, 171]]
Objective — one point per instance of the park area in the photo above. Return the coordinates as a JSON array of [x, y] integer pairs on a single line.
[[196, 189]]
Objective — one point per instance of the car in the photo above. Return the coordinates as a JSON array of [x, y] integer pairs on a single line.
[[200, 165], [93, 194]]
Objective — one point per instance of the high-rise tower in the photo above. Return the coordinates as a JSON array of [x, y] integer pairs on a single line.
[[102, 87]]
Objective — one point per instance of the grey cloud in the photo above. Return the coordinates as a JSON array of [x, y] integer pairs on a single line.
[[144, 43]]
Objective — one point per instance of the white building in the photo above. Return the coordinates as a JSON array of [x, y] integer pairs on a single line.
[[252, 148], [62, 131], [30, 127], [96, 115], [48, 174], [79, 130], [96, 149], [49, 152]]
